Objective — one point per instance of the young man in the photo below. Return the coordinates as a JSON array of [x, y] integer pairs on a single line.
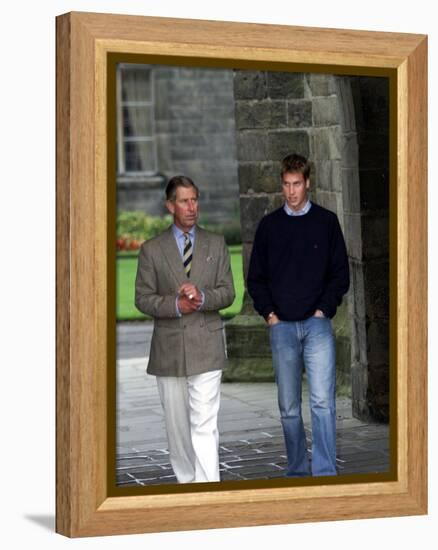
[[183, 280], [297, 276]]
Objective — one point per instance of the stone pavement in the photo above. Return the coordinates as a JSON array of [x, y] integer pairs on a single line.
[[251, 441]]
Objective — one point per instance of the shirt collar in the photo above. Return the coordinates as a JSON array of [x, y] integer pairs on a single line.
[[178, 233], [301, 212]]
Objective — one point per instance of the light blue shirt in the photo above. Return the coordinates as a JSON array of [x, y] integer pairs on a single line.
[[301, 212], [179, 238]]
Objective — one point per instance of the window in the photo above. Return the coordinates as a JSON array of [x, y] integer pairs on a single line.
[[136, 147]]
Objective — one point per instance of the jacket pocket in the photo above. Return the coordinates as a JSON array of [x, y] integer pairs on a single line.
[[214, 325]]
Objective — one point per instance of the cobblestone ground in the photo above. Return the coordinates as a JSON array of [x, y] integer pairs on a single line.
[[251, 442]]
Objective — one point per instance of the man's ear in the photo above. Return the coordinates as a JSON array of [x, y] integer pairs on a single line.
[[170, 206], [307, 183]]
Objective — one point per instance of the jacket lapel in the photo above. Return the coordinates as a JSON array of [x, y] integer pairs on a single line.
[[172, 255], [200, 253]]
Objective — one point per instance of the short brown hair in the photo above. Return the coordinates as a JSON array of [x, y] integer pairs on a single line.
[[296, 163], [179, 181]]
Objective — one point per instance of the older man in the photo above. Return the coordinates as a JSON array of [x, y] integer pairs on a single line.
[[183, 280]]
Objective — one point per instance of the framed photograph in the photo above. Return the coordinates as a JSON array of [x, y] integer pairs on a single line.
[[140, 99]]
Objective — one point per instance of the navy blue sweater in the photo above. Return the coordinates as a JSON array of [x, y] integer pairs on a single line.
[[298, 264]]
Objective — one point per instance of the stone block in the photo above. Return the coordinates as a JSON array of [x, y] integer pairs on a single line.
[[252, 210], [282, 85], [350, 151], [246, 255], [186, 97], [222, 146], [362, 335], [299, 114], [359, 381], [191, 113], [322, 174], [249, 84], [223, 83], [218, 111], [163, 152], [259, 177], [319, 84], [336, 176], [351, 190], [343, 366], [340, 210], [167, 127], [347, 114], [325, 111], [278, 114], [184, 152], [252, 114], [252, 146], [188, 140], [354, 342], [326, 143], [353, 235], [188, 72], [276, 200], [248, 349], [342, 329], [161, 110], [284, 142], [358, 287], [161, 72], [327, 199]]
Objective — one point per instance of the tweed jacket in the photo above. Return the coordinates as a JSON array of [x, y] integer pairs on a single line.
[[193, 343]]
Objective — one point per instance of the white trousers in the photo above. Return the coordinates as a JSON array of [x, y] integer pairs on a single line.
[[191, 406]]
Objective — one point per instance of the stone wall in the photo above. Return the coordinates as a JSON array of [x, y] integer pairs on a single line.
[[276, 114]]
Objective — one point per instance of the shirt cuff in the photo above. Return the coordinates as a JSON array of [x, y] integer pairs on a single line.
[[203, 299], [178, 313]]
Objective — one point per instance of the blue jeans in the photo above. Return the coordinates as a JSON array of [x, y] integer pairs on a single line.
[[308, 344]]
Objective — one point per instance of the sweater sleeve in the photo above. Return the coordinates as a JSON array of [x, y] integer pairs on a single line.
[[338, 275], [258, 273]]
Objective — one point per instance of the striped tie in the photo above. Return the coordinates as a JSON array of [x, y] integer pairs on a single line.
[[187, 254]]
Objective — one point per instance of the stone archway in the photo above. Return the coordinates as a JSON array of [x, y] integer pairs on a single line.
[[364, 118]]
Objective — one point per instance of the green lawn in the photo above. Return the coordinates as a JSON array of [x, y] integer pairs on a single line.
[[125, 279]]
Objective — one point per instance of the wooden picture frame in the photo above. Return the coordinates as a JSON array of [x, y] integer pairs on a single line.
[[85, 41]]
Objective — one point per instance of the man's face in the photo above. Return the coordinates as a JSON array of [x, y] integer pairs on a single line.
[[295, 188], [184, 208]]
